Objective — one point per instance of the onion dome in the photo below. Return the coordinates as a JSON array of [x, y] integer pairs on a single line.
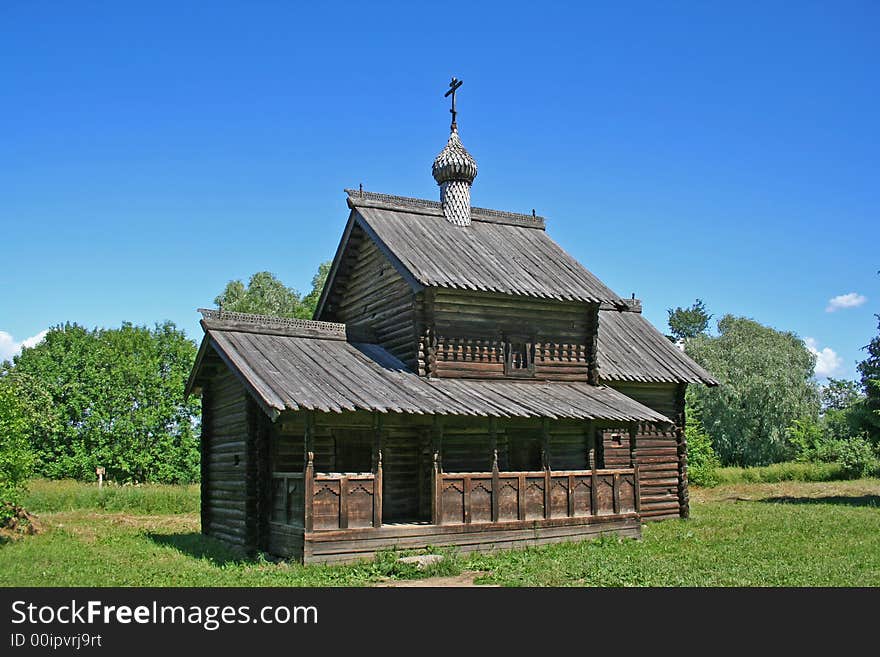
[[454, 162]]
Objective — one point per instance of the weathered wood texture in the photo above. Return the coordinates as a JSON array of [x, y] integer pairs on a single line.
[[344, 501], [481, 497], [374, 298], [631, 349], [334, 376], [354, 545], [468, 333], [225, 497], [489, 255], [659, 452]]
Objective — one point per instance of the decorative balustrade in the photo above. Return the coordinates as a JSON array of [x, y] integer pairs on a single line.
[[338, 500], [481, 497], [327, 501]]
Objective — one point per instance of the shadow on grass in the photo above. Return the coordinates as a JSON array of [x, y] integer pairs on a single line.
[[199, 546], [843, 500]]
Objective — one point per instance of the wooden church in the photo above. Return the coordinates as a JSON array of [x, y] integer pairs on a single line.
[[465, 383]]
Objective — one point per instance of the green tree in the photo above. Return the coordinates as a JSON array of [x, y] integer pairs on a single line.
[[16, 459], [264, 295], [310, 301], [843, 408], [766, 384], [687, 323], [869, 369], [702, 461], [116, 398]]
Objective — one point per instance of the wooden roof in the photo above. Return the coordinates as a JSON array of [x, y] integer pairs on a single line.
[[304, 367], [631, 349], [499, 252]]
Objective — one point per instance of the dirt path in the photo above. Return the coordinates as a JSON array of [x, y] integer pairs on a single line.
[[466, 579]]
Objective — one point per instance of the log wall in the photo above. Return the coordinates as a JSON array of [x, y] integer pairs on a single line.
[[224, 449], [660, 451], [377, 300], [465, 334]]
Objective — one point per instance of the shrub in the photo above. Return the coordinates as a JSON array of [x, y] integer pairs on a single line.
[[805, 440], [855, 456], [703, 463]]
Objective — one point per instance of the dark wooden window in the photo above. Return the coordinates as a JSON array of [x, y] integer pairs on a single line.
[[519, 357], [354, 450], [524, 451]]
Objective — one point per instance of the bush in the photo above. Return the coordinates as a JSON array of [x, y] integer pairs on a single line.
[[855, 456], [806, 440], [703, 463]]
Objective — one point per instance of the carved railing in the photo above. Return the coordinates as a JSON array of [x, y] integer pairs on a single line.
[[345, 501], [480, 497]]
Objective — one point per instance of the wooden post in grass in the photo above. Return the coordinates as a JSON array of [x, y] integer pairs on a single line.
[[100, 472]]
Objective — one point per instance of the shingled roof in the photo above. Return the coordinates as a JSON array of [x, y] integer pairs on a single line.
[[304, 365], [631, 349], [500, 252]]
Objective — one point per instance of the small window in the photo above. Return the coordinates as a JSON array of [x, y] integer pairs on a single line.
[[519, 357]]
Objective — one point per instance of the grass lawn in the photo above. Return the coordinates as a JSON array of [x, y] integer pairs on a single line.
[[751, 534]]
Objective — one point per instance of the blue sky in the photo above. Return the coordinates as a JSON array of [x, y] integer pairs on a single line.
[[151, 152]]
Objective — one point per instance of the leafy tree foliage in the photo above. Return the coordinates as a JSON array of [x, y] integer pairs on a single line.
[[686, 323], [263, 295], [266, 295], [16, 459], [702, 460], [111, 398], [869, 369], [843, 409], [310, 301], [766, 384]]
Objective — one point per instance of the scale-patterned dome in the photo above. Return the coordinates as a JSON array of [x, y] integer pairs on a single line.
[[454, 162]]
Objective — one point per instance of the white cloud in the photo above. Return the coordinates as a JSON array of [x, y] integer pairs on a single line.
[[827, 361], [9, 347], [851, 300]]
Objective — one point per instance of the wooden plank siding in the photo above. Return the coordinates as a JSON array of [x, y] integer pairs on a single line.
[[375, 299], [224, 494], [355, 545], [466, 332], [660, 451]]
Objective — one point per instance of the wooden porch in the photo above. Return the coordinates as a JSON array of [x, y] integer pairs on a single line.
[[325, 517]]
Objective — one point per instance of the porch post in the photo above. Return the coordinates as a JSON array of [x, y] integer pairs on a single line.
[[634, 463], [378, 428], [493, 444], [309, 471], [545, 462], [437, 470], [594, 479]]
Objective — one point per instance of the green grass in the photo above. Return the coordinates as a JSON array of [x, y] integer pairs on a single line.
[[757, 534], [68, 495], [777, 472]]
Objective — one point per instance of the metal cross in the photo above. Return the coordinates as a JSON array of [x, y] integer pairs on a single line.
[[453, 86]]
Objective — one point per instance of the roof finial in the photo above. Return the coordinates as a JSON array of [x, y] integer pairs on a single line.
[[453, 86]]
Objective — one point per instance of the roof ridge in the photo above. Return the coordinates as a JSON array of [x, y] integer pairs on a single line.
[[424, 206], [218, 320]]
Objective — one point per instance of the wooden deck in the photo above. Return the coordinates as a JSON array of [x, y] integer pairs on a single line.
[[346, 546]]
